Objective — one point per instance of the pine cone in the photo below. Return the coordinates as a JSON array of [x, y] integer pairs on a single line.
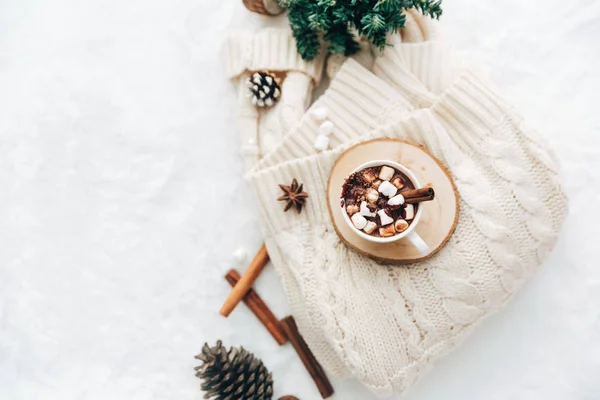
[[266, 7], [233, 375], [264, 88]]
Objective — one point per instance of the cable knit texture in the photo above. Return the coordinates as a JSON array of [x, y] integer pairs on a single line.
[[511, 207], [352, 310]]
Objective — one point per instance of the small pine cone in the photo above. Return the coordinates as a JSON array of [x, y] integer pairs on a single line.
[[264, 89], [265, 7], [233, 374]]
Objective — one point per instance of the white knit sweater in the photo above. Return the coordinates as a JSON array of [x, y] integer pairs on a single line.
[[385, 325]]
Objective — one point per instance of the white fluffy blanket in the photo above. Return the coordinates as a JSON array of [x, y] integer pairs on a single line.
[[122, 203]]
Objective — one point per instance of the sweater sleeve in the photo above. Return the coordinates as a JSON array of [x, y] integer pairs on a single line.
[[267, 49], [355, 103]]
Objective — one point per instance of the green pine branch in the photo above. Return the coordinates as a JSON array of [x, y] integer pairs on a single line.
[[339, 23]]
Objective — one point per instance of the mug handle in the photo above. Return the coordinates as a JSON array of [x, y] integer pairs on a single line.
[[416, 240]]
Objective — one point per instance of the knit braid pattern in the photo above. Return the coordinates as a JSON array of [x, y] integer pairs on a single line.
[[352, 310]]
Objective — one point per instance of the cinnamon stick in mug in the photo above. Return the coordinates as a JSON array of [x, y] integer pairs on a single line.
[[418, 195], [422, 192]]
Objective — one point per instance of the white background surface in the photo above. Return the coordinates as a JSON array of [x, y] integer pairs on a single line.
[[122, 202]]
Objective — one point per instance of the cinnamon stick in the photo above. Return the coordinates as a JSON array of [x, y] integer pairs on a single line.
[[259, 308], [246, 281], [418, 195], [308, 359], [422, 192], [414, 200]]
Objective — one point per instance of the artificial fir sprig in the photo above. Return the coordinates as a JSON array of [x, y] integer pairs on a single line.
[[338, 22]]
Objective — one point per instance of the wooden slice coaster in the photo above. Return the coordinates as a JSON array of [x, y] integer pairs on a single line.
[[439, 218]]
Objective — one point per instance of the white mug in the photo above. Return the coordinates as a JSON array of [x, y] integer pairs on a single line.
[[409, 233]]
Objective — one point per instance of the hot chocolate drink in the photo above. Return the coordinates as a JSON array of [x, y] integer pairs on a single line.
[[373, 199]]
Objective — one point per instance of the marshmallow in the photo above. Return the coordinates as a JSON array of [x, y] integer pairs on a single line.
[[400, 225], [269, 80], [276, 93], [372, 195], [368, 175], [386, 173], [322, 143], [257, 79], [365, 211], [387, 189], [352, 209], [359, 221], [396, 200], [387, 231], [269, 102], [398, 182], [260, 103], [240, 255], [254, 100], [370, 228], [326, 128], [384, 218], [249, 83], [319, 113], [410, 211]]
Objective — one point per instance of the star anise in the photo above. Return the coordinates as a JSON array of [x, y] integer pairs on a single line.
[[294, 196]]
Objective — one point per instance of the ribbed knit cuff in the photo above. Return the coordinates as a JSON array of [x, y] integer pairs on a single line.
[[365, 57], [355, 101], [312, 172], [429, 28], [268, 49], [470, 109], [392, 68], [412, 67]]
